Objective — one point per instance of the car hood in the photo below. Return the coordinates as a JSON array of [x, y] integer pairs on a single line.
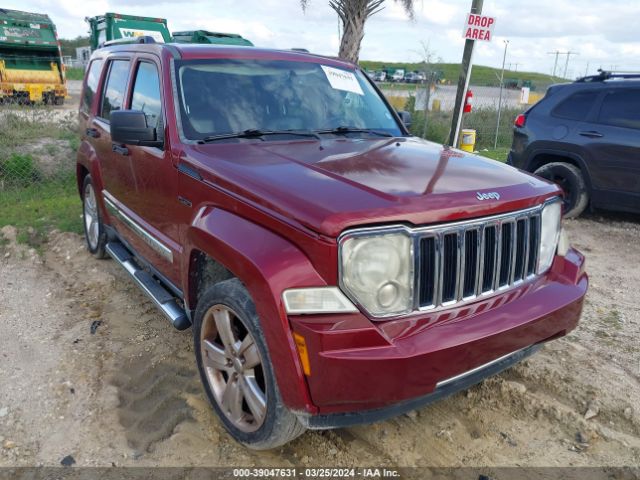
[[335, 184]]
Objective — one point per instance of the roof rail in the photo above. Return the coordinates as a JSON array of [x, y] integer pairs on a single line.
[[125, 41], [606, 75]]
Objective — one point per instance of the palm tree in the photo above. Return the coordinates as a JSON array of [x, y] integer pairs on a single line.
[[353, 14]]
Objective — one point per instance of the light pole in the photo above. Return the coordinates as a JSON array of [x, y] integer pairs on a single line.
[[504, 58]]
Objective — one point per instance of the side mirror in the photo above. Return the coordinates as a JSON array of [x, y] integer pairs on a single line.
[[406, 118], [130, 127]]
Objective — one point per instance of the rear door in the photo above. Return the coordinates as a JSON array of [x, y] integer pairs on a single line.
[[117, 177], [614, 144]]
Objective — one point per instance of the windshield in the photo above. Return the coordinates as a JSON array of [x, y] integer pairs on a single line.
[[220, 97]]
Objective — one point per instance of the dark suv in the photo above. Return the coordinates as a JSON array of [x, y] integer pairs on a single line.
[[585, 136]]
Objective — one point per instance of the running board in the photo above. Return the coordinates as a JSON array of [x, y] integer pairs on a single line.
[[163, 299]]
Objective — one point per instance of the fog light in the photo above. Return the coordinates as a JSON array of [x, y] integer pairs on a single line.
[[306, 301]]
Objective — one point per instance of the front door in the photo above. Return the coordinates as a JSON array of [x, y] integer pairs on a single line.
[[150, 201]]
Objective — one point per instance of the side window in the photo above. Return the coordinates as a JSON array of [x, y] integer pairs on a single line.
[[93, 78], [146, 93], [113, 96], [577, 106], [621, 109]]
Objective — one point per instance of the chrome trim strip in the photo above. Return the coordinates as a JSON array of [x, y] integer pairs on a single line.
[[442, 383], [146, 237]]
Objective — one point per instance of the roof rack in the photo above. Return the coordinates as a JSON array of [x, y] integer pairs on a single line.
[[607, 75], [125, 41]]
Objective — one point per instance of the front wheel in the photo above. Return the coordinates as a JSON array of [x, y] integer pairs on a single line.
[[236, 370], [570, 179]]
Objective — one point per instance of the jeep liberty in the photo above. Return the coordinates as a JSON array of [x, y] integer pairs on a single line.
[[334, 269]]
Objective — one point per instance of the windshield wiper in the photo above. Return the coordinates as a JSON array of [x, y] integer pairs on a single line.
[[341, 130], [256, 133]]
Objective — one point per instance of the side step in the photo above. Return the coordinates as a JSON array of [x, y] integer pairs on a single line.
[[164, 300]]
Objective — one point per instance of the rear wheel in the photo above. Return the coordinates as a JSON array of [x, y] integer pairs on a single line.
[[94, 232], [236, 371], [570, 179]]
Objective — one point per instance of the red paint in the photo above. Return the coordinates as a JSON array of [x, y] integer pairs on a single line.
[[270, 212]]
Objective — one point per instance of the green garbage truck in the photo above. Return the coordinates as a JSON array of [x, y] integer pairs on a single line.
[[115, 26], [204, 36], [31, 68]]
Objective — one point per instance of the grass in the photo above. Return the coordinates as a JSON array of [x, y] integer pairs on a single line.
[[42, 207], [74, 73], [30, 200], [499, 154], [480, 74]]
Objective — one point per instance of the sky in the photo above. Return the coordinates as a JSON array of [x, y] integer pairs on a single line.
[[601, 33]]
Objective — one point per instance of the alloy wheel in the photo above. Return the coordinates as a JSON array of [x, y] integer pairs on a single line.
[[91, 219], [233, 366]]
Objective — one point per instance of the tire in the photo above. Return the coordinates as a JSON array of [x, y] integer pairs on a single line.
[[570, 179], [94, 232], [259, 420], [58, 101]]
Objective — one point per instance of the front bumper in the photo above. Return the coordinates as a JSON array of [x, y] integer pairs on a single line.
[[443, 389], [362, 372]]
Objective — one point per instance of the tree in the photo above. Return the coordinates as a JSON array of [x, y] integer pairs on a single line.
[[353, 14]]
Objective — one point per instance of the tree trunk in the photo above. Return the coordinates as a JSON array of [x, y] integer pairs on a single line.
[[352, 35]]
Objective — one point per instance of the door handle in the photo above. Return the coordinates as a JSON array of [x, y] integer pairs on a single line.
[[92, 132], [120, 149], [591, 134]]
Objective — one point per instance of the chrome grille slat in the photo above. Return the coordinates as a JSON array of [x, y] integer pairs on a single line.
[[477, 258]]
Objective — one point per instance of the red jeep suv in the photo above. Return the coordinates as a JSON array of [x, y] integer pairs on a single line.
[[334, 269]]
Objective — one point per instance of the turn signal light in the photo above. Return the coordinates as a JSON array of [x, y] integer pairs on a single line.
[[303, 353], [520, 120]]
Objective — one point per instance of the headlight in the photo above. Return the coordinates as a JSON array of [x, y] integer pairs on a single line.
[[377, 272], [549, 235]]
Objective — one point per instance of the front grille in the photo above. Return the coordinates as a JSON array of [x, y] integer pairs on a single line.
[[469, 259]]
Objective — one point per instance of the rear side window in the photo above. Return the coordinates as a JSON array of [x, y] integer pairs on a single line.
[[93, 78], [146, 93], [577, 106], [114, 90], [621, 109]]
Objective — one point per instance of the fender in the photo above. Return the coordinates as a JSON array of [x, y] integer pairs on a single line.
[[562, 153], [266, 264]]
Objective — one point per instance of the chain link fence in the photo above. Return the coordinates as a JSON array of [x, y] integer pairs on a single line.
[[38, 145], [434, 122]]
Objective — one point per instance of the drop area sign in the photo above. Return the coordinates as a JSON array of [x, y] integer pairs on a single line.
[[479, 27]]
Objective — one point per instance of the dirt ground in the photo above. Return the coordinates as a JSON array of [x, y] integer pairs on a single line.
[[89, 368]]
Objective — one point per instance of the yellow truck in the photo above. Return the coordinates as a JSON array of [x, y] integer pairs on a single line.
[[31, 68]]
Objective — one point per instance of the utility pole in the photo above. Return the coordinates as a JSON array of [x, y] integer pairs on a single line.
[[463, 80], [555, 64], [586, 70], [566, 63], [504, 57]]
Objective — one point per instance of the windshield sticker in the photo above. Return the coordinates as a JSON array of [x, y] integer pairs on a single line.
[[342, 80]]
